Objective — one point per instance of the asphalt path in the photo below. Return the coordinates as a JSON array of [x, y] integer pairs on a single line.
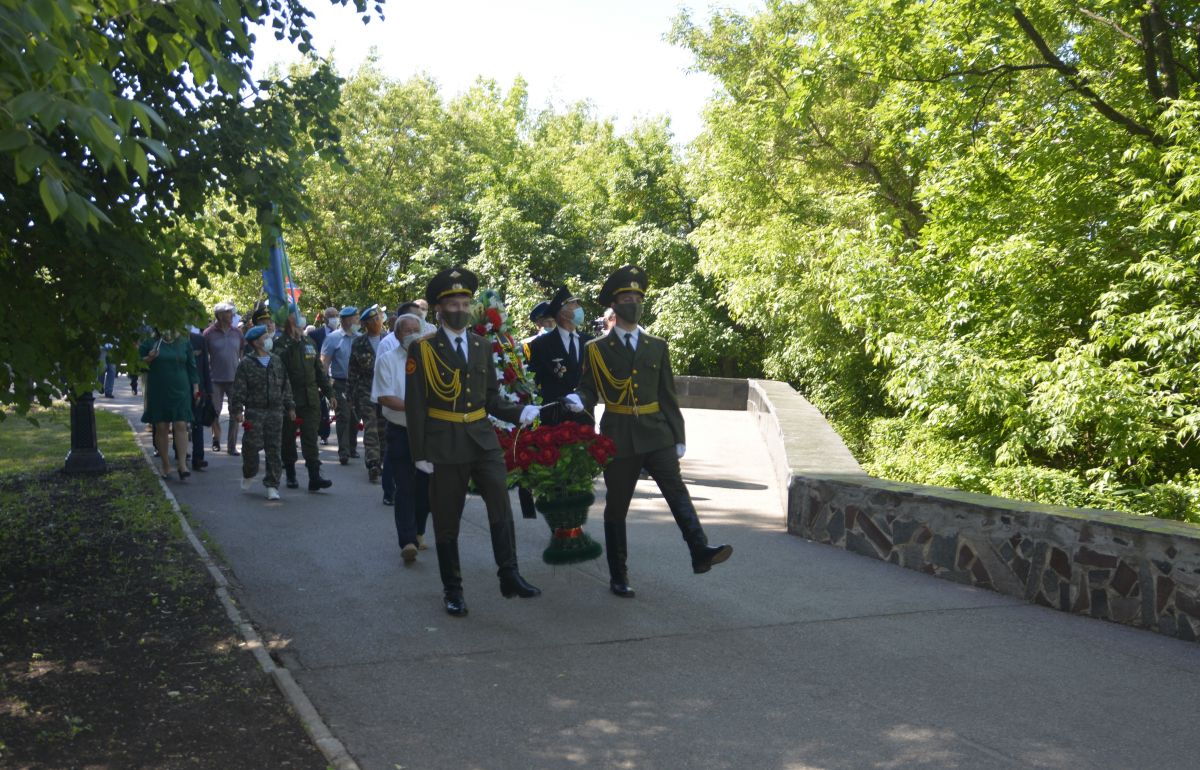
[[790, 656]]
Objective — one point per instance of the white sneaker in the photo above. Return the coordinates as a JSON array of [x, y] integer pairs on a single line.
[[246, 484], [421, 543], [409, 553], [272, 493]]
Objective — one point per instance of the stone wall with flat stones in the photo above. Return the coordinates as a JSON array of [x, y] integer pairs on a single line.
[[1135, 570], [711, 393]]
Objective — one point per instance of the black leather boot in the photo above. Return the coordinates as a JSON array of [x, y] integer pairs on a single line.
[[617, 551], [704, 556], [504, 547], [291, 476], [315, 481], [452, 591]]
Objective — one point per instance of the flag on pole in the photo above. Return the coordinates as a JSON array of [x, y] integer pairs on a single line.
[[278, 284]]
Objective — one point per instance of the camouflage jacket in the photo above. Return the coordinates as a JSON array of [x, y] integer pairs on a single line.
[[261, 387], [362, 367], [302, 361]]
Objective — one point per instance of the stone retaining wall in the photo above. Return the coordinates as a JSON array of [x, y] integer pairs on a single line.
[[1135, 570], [711, 393]]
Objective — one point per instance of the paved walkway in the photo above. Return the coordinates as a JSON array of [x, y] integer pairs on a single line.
[[792, 656]]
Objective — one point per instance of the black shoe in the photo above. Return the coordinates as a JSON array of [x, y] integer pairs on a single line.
[[216, 445], [184, 474], [292, 483], [373, 475], [324, 442], [621, 589], [354, 455], [512, 584], [233, 452], [343, 460], [388, 500], [317, 483], [707, 556], [456, 605], [199, 466]]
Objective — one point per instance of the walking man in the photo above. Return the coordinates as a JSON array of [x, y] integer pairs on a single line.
[[328, 322], [224, 341], [335, 355], [361, 377], [450, 390], [309, 382], [629, 371]]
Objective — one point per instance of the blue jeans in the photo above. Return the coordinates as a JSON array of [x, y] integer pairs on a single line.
[[411, 497]]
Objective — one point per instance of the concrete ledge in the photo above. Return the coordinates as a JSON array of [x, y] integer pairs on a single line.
[[711, 393], [1135, 570]]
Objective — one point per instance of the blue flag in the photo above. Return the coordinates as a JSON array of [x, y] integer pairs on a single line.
[[278, 283]]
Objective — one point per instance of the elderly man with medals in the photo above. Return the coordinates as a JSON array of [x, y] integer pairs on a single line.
[[629, 371], [450, 390], [556, 357]]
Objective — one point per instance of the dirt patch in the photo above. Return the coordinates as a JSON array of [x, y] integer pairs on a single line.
[[114, 650]]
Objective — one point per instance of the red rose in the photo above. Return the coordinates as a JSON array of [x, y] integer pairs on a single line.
[[585, 431], [496, 348], [548, 456], [480, 329], [510, 375], [524, 458], [493, 315]]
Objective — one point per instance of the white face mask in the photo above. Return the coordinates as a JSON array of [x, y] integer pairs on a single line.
[[268, 343], [332, 323], [408, 339]]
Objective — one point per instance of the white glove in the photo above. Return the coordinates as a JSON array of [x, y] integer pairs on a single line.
[[681, 450], [529, 414], [424, 466], [573, 403]]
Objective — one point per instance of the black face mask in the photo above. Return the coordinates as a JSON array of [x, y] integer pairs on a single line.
[[455, 319], [629, 312]]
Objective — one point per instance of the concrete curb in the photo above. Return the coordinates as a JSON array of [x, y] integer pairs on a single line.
[[333, 749]]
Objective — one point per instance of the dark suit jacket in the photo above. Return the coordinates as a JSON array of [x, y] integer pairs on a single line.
[[439, 441], [650, 370], [200, 352], [556, 373], [317, 335]]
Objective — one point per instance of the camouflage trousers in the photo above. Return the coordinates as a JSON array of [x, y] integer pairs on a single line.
[[347, 420], [266, 426], [374, 431], [310, 424]]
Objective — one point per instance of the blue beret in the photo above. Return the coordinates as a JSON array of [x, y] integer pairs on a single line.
[[255, 332], [540, 310], [366, 314], [348, 311]]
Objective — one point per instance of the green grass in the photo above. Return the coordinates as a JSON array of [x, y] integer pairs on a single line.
[[41, 443]]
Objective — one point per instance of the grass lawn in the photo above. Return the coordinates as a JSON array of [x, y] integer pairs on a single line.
[[114, 651]]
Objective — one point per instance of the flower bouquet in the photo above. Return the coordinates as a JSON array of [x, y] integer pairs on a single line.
[[489, 319], [557, 464]]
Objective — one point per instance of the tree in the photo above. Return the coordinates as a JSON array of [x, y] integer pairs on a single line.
[[120, 122]]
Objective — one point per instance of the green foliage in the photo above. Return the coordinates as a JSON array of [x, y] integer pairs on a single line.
[[968, 233], [120, 122]]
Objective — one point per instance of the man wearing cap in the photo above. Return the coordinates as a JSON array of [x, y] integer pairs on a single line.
[[261, 387], [309, 383], [328, 319], [556, 358], [224, 342], [450, 390], [629, 371], [361, 375], [335, 355]]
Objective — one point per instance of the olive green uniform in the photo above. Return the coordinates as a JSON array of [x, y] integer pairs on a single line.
[[309, 382], [361, 376], [264, 395]]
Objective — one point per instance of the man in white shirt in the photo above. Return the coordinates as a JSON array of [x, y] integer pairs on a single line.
[[390, 341], [410, 499]]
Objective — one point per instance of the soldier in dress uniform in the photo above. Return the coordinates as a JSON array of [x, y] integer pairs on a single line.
[[261, 388], [309, 383], [629, 371], [450, 390], [556, 357], [361, 376]]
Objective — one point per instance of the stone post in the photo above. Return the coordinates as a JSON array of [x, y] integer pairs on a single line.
[[84, 456]]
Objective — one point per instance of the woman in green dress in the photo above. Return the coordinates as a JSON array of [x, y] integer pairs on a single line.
[[172, 384]]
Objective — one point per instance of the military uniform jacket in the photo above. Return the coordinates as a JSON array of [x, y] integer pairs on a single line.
[[361, 370], [261, 387], [642, 411], [557, 374], [429, 384], [307, 377]]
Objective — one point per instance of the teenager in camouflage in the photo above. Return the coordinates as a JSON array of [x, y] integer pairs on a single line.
[[262, 396]]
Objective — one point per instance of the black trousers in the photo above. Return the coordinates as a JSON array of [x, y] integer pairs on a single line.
[[621, 476], [410, 503], [448, 495]]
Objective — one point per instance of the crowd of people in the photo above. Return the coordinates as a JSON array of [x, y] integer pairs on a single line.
[[420, 394]]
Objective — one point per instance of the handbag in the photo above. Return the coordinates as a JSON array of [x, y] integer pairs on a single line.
[[205, 412]]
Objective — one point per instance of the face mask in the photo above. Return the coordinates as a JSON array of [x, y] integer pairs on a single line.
[[455, 319], [408, 339], [332, 323], [268, 343], [577, 317], [629, 312]]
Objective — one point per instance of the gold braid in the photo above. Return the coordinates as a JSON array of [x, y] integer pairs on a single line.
[[623, 387], [446, 391]]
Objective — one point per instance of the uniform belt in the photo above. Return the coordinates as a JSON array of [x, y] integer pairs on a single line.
[[448, 416], [637, 409]]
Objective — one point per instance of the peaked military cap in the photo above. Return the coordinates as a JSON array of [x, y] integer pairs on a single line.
[[449, 282], [255, 332], [561, 297], [348, 311], [540, 310], [261, 312], [625, 279]]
